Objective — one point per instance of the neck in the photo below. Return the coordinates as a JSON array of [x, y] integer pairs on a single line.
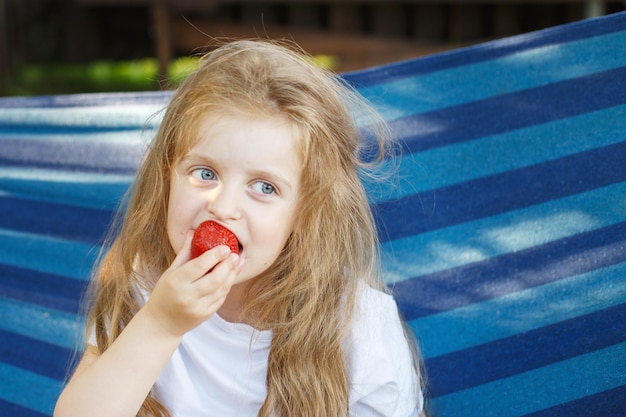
[[232, 309]]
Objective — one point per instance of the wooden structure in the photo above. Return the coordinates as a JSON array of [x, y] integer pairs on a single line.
[[361, 33], [171, 32]]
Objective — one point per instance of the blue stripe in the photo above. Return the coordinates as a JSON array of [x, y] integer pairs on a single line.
[[555, 36], [34, 355], [526, 351], [47, 254], [29, 390], [505, 233], [500, 193], [41, 323], [511, 111], [59, 220], [427, 92], [112, 158], [44, 289], [96, 190], [439, 167], [512, 272], [609, 403], [13, 410], [520, 311], [541, 388]]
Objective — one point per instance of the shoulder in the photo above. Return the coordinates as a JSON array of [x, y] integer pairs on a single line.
[[375, 315], [380, 361]]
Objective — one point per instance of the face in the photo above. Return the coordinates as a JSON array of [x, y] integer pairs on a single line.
[[244, 174]]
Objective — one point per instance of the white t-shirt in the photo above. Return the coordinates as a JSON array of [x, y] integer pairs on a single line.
[[219, 368]]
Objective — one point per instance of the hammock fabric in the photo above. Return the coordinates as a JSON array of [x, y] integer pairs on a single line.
[[504, 238]]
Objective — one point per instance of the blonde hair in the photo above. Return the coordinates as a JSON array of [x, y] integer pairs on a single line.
[[306, 298]]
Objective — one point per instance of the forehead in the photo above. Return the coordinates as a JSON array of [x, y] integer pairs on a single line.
[[268, 143], [212, 121], [273, 130]]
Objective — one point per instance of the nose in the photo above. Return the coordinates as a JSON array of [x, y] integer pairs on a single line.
[[224, 203]]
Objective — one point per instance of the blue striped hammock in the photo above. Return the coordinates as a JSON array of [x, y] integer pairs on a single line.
[[504, 238]]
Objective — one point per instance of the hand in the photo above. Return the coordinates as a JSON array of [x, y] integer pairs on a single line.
[[186, 294]]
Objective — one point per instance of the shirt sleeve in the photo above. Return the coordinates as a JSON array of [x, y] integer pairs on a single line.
[[383, 378]]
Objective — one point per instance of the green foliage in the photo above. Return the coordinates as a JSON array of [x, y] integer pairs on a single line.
[[107, 76], [180, 68], [97, 76]]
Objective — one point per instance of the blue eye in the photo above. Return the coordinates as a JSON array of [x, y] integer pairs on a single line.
[[204, 174], [264, 187]]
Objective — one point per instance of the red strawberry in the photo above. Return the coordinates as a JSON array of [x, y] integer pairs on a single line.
[[211, 234]]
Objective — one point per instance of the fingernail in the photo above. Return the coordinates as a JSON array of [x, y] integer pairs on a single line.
[[236, 260]]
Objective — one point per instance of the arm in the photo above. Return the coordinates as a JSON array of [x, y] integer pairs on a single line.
[[116, 382]]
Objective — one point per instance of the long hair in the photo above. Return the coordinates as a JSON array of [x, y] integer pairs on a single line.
[[306, 298]]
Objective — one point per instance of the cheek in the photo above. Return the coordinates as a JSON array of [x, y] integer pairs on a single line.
[[282, 235], [173, 232], [175, 222]]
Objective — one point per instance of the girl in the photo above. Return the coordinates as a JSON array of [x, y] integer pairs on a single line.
[[297, 323]]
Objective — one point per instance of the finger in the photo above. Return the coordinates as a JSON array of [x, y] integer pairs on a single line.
[[215, 299], [213, 304], [203, 264], [221, 277], [234, 262], [185, 253]]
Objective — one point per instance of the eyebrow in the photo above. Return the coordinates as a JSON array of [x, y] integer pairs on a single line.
[[192, 157], [276, 177]]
